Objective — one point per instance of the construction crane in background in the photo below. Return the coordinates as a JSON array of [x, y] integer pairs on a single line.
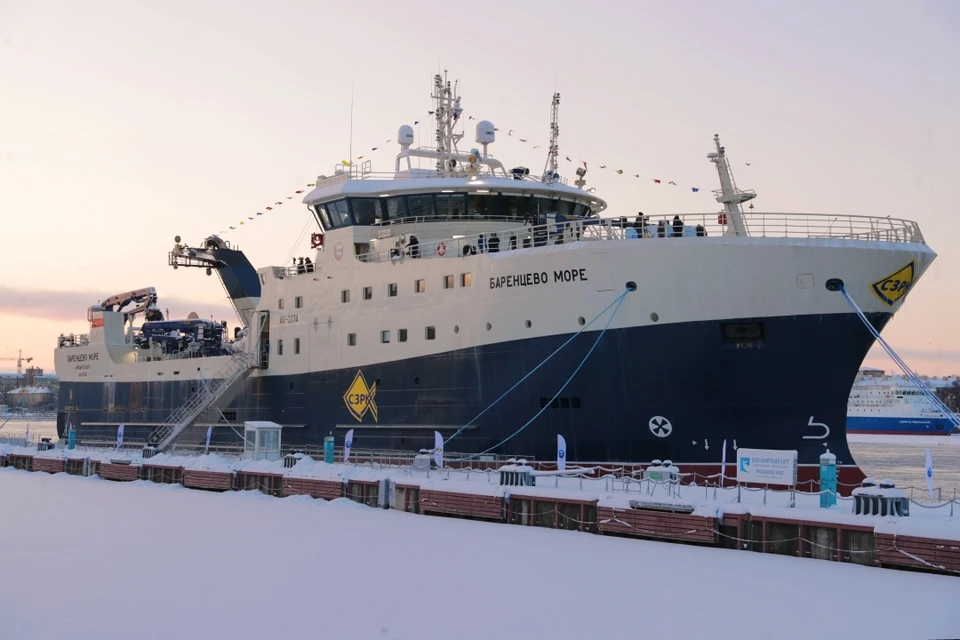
[[19, 360]]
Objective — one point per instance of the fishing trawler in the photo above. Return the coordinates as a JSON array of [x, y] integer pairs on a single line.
[[501, 308]]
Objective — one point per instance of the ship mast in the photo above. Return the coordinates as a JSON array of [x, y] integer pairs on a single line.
[[550, 170], [447, 113], [728, 194]]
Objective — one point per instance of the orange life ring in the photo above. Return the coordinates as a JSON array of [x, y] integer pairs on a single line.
[[441, 248], [316, 240]]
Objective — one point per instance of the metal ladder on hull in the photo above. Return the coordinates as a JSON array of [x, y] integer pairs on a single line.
[[234, 371]]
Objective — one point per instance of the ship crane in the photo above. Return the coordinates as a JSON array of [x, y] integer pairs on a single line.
[[236, 274], [20, 360], [729, 195], [146, 300]]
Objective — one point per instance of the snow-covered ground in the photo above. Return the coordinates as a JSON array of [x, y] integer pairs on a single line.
[[87, 558]]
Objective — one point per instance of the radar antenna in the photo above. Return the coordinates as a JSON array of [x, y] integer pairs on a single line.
[[550, 173], [447, 114], [728, 194]]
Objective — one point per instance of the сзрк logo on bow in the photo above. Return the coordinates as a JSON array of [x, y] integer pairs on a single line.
[[361, 398]]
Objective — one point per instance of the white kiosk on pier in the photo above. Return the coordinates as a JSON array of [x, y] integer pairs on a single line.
[[261, 440]]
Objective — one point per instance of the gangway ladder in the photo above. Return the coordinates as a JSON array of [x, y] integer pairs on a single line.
[[238, 368]]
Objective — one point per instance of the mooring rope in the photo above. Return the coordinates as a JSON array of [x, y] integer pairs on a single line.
[[532, 371], [546, 406], [924, 389]]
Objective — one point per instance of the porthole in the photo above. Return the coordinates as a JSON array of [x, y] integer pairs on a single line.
[[529, 324], [631, 286], [456, 328], [654, 316], [489, 326], [581, 321], [416, 379]]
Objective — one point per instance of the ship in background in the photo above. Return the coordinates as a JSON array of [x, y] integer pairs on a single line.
[[892, 405], [433, 296]]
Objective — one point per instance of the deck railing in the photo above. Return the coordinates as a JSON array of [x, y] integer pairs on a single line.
[[656, 228]]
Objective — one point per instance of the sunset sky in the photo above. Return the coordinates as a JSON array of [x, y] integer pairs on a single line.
[[123, 124]]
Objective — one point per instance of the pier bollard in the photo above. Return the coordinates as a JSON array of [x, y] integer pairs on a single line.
[[828, 480]]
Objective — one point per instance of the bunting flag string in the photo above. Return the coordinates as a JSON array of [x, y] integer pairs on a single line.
[[265, 210]]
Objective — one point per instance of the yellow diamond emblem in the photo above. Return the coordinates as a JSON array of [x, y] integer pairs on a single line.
[[895, 285], [361, 398]]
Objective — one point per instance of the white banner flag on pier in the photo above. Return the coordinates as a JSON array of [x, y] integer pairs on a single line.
[[723, 463], [929, 474], [561, 453], [206, 445], [438, 449], [119, 436], [347, 443]]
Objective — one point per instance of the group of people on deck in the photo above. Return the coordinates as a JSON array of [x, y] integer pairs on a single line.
[[305, 265], [641, 228]]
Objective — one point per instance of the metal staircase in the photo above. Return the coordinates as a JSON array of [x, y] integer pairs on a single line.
[[209, 392]]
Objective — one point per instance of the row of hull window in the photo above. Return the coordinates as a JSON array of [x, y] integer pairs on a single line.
[[296, 347], [419, 286], [429, 333], [445, 206], [297, 303]]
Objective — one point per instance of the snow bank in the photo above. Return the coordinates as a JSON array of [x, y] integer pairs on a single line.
[[107, 560]]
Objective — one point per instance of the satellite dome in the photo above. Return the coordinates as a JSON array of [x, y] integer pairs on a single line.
[[405, 135], [486, 132]]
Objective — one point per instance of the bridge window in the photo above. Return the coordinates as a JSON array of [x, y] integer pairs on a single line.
[[351, 339], [320, 213], [451, 205], [396, 208], [367, 293], [544, 205], [514, 206], [279, 347], [392, 290], [401, 335], [296, 346], [339, 213], [385, 336], [421, 286], [448, 282], [298, 302], [466, 279], [345, 296], [366, 211], [431, 333], [421, 206], [481, 206]]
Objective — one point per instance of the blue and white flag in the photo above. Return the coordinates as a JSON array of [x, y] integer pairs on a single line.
[[929, 474], [561, 453], [438, 449], [119, 436], [347, 443], [26, 436], [206, 445]]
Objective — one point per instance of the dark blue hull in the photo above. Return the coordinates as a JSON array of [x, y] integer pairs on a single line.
[[775, 391], [900, 426]]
